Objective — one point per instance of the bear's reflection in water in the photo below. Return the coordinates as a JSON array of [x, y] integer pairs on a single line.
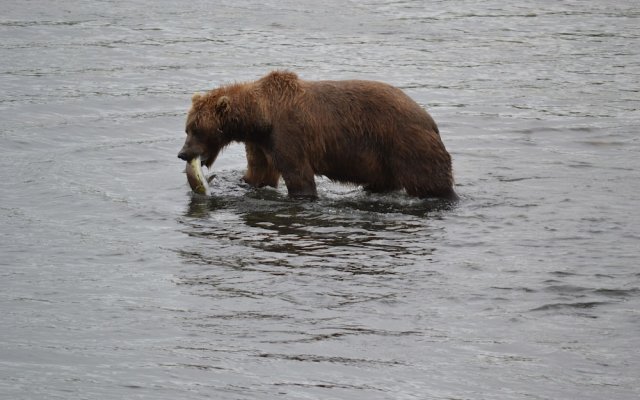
[[229, 192], [345, 229]]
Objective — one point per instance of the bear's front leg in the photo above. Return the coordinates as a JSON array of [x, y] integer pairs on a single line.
[[300, 183], [260, 169], [291, 159]]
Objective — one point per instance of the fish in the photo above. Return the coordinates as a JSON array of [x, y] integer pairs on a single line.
[[196, 178]]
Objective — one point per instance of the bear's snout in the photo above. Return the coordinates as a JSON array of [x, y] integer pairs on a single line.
[[183, 155]]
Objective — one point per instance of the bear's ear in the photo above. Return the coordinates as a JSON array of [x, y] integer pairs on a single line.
[[196, 96], [223, 105]]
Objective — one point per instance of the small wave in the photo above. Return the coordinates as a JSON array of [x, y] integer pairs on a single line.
[[570, 306], [618, 292], [328, 359], [581, 291]]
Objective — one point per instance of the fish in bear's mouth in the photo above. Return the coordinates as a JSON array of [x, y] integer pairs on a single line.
[[198, 182]]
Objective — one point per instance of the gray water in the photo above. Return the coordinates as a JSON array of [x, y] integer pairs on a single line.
[[116, 282]]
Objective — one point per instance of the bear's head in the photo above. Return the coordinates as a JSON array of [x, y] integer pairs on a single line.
[[206, 127]]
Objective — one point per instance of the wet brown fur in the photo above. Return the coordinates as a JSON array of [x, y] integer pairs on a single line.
[[360, 132]]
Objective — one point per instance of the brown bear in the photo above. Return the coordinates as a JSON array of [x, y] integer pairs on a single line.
[[353, 131]]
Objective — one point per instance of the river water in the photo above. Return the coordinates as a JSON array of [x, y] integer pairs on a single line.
[[117, 282]]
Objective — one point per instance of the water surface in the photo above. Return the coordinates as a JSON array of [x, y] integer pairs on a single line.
[[117, 282]]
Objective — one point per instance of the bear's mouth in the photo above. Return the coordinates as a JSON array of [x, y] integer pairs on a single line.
[[207, 160]]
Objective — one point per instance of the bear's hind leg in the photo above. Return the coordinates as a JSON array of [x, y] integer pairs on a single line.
[[429, 184], [426, 179]]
